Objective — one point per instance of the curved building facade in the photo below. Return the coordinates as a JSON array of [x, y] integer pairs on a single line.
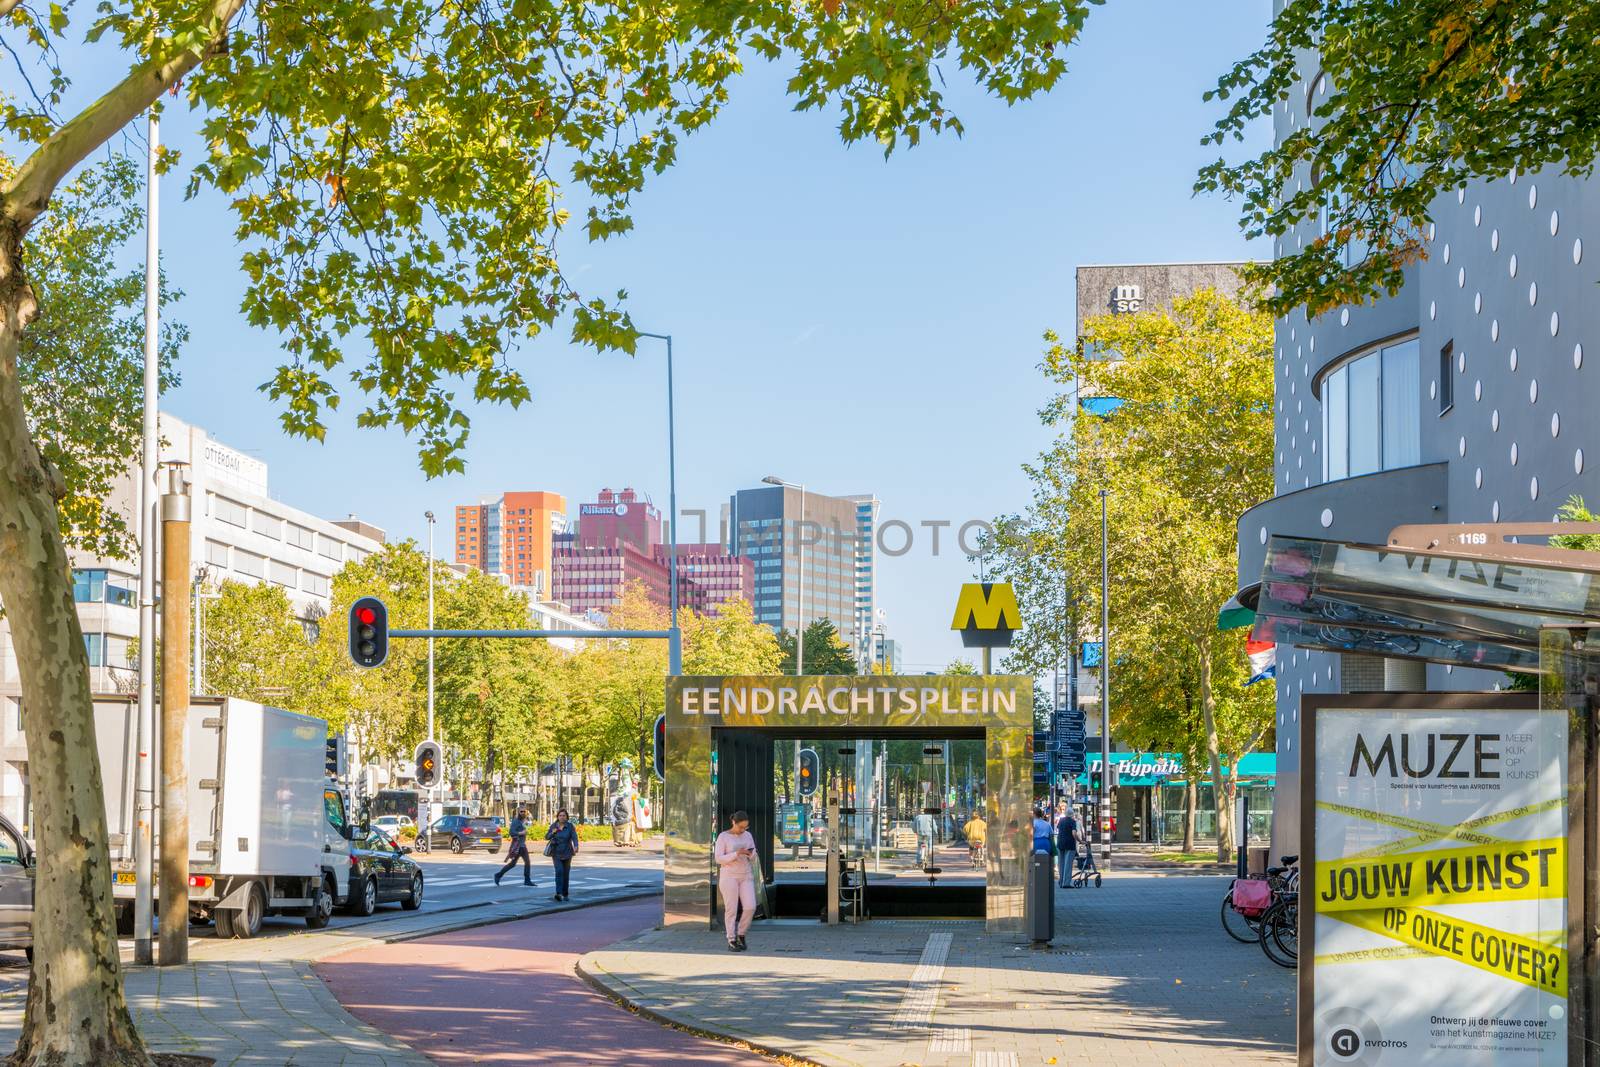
[[1468, 396]]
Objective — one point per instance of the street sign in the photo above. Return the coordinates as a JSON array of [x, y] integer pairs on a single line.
[[792, 824], [1091, 657]]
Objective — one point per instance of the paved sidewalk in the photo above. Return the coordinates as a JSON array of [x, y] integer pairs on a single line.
[[1140, 972], [258, 1003]]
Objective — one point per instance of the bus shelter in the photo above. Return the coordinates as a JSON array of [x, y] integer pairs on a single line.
[[921, 785], [1447, 840]]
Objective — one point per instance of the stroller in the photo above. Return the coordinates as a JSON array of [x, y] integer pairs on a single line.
[[1085, 869]]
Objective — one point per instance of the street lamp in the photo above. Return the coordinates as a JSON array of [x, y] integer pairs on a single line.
[[429, 516], [800, 575], [675, 641]]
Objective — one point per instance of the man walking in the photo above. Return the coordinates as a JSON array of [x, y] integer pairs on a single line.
[[1066, 842], [519, 849]]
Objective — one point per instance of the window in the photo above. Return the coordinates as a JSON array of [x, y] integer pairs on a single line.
[[92, 587], [1447, 377], [217, 554], [249, 563], [267, 525], [283, 574], [95, 646], [227, 511], [315, 584], [327, 546], [1371, 412], [301, 537]]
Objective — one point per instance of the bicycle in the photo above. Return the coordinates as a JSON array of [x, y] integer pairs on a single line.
[[1279, 927], [1245, 927]]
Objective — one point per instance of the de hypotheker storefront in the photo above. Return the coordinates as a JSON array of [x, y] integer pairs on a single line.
[[1152, 795]]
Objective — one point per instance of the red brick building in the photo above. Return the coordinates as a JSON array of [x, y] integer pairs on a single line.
[[512, 536]]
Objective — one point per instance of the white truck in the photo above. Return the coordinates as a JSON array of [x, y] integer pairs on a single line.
[[268, 832]]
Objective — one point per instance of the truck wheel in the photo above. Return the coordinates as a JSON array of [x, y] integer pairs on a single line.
[[318, 915], [223, 920], [247, 920], [125, 921], [366, 902], [414, 900], [457, 846]]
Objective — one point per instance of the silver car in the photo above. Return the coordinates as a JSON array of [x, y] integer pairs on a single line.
[[16, 889]]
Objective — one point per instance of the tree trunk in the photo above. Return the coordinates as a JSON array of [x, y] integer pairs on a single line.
[[75, 1012], [1191, 800], [1208, 714]]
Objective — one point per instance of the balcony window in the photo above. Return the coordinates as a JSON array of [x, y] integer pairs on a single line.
[[92, 587], [1371, 412]]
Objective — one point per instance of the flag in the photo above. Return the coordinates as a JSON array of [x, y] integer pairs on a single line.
[[1263, 656]]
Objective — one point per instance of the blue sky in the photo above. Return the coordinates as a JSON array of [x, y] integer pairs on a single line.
[[856, 324]]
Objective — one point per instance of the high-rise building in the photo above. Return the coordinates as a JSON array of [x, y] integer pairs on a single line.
[[780, 531], [866, 555], [619, 540], [1463, 397], [512, 536]]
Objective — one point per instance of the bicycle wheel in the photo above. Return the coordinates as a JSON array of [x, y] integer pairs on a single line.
[[1238, 927], [1275, 917], [1286, 934]]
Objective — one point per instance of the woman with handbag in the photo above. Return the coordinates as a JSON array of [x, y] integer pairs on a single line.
[[561, 844]]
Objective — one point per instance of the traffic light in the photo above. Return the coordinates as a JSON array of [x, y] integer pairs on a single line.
[[810, 771], [333, 761], [1095, 778], [430, 764], [369, 632], [1116, 776], [660, 736]]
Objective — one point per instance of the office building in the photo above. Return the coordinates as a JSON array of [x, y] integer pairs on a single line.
[[619, 539], [866, 556], [239, 532], [1467, 396], [512, 536], [780, 531]]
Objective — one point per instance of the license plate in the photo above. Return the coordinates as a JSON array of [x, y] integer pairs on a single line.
[[126, 878], [485, 840]]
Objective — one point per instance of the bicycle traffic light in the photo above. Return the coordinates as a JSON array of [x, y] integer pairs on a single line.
[[369, 632], [659, 740], [1095, 778], [429, 764], [810, 771]]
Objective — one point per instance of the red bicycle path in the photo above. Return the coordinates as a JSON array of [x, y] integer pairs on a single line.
[[507, 994]]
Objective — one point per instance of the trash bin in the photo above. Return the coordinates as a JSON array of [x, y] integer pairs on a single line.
[[1041, 898]]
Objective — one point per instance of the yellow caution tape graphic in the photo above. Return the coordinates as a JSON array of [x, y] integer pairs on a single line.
[[1514, 957], [1505, 870], [1429, 832]]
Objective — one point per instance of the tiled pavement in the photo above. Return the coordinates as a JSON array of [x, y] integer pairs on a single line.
[[1140, 972]]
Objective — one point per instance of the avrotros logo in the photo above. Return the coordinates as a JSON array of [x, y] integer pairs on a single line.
[[1345, 1043]]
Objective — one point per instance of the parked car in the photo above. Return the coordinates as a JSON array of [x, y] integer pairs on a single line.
[[459, 833], [393, 824], [16, 888], [381, 872]]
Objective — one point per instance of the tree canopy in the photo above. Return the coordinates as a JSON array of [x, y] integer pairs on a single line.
[[1185, 453], [826, 650], [1410, 101]]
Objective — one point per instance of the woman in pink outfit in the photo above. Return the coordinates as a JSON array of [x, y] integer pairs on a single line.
[[735, 849]]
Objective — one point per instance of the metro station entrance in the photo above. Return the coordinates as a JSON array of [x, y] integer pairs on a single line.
[[914, 790]]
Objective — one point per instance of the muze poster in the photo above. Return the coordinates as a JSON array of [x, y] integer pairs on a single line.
[[1440, 887]]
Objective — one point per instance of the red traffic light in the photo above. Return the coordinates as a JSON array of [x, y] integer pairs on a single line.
[[366, 615]]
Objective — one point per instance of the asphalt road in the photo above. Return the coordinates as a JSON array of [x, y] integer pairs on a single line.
[[507, 994]]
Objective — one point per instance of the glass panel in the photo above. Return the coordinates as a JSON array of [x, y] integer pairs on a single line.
[[1402, 411], [1336, 444], [1364, 426]]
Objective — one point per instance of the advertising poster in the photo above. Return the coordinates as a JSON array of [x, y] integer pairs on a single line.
[[1440, 887]]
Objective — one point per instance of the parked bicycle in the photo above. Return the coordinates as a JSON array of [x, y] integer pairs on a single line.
[[1279, 927], [1249, 899]]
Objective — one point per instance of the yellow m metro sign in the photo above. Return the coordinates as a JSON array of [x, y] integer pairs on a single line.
[[986, 615]]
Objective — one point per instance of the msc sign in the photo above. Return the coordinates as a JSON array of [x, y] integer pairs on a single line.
[[987, 615]]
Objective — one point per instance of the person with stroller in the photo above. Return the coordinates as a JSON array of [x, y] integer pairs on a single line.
[[1066, 842]]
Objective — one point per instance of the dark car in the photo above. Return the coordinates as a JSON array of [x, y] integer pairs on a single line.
[[459, 833], [382, 873]]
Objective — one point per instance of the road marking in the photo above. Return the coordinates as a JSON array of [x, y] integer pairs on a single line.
[[922, 991], [948, 1039]]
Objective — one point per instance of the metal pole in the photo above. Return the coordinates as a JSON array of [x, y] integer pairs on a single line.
[[174, 880], [800, 574], [144, 801], [675, 635], [439, 771], [1105, 679]]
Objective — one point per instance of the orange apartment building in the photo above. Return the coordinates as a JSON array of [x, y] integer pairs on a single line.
[[512, 536]]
